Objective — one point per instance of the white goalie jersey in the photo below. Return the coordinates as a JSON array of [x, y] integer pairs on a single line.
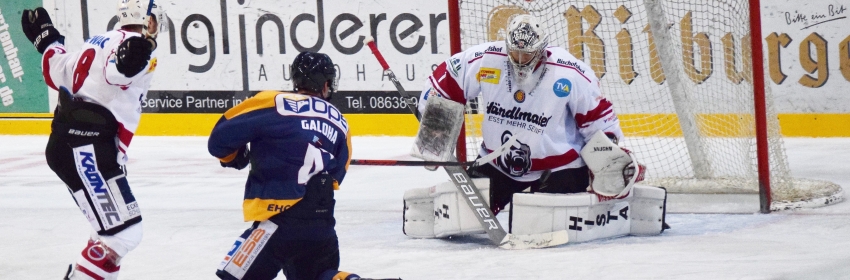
[[553, 114], [90, 74]]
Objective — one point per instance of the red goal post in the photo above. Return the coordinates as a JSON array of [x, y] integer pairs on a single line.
[[710, 127]]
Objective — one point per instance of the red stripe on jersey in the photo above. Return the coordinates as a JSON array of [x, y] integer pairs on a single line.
[[570, 67], [446, 85], [553, 161], [479, 57], [601, 110], [436, 87], [124, 136], [89, 273], [45, 68]]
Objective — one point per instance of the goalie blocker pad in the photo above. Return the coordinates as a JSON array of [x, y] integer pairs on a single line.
[[438, 130], [437, 212]]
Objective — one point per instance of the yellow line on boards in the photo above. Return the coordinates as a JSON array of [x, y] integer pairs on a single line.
[[664, 125]]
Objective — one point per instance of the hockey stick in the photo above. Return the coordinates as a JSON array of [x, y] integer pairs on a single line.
[[478, 162], [389, 162], [472, 195], [410, 101]]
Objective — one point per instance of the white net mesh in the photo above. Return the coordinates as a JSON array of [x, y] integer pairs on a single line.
[[685, 98]]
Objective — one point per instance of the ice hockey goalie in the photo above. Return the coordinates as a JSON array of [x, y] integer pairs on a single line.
[[615, 204]]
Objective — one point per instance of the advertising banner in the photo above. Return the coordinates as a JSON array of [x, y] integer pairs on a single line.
[[217, 53], [22, 87], [808, 52], [806, 49]]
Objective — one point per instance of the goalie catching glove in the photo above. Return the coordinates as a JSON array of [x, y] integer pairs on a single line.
[[613, 170]]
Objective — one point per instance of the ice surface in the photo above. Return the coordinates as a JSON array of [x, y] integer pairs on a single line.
[[192, 214]]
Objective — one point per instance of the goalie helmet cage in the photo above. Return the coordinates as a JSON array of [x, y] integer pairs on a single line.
[[687, 83]]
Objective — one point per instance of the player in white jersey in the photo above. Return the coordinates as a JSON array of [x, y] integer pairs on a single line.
[[543, 95], [101, 87]]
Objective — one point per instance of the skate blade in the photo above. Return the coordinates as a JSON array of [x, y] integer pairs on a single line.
[[68, 273]]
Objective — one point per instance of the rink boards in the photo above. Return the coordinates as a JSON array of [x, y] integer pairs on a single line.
[[192, 124]]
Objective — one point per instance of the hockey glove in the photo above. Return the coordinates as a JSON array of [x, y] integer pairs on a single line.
[[39, 29], [133, 55], [243, 157]]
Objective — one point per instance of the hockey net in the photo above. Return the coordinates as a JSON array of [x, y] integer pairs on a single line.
[[685, 99]]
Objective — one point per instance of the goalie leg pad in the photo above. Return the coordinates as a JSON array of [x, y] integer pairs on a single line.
[[418, 213], [439, 211], [649, 207], [581, 214], [587, 218]]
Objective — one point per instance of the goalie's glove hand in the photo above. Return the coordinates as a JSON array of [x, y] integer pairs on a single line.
[[39, 29], [243, 157], [613, 170], [133, 55]]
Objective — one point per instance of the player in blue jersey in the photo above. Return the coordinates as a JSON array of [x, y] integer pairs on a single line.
[[299, 153]]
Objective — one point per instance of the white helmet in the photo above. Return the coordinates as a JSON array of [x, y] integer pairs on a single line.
[[141, 12], [526, 41]]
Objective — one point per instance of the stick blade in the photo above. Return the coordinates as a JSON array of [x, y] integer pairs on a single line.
[[534, 241]]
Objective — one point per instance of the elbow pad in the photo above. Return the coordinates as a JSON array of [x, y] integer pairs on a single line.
[[133, 55]]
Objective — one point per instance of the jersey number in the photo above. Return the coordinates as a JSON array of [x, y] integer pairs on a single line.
[[313, 164], [81, 72]]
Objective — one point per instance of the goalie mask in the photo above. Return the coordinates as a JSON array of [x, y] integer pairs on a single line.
[[311, 71], [526, 41]]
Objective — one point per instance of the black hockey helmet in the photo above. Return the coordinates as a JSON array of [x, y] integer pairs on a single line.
[[311, 70]]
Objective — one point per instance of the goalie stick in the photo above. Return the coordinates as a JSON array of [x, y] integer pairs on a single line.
[[470, 192], [480, 161], [390, 162]]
